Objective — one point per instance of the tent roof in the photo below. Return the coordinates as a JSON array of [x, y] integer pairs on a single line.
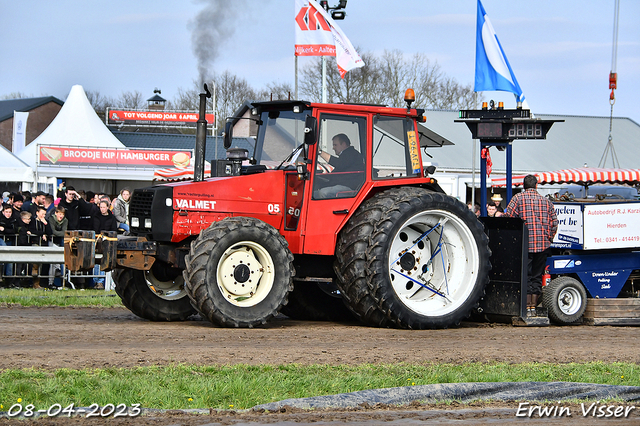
[[7, 107], [77, 124], [13, 169], [581, 176]]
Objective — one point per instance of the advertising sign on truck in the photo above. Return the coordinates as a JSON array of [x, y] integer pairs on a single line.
[[597, 226]]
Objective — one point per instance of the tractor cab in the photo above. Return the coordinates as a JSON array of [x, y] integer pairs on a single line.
[[334, 157]]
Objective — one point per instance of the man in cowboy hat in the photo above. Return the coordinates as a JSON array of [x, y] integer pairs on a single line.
[[496, 199]]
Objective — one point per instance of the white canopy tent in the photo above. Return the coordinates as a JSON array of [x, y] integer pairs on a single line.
[[13, 169], [78, 125]]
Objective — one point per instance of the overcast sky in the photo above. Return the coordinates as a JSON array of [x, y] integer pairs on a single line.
[[560, 50]]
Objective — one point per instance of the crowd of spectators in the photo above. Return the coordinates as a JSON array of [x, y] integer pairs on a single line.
[[42, 220]]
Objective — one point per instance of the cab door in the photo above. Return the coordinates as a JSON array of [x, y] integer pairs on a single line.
[[335, 189]]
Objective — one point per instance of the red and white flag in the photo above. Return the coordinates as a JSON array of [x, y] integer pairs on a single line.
[[317, 34]]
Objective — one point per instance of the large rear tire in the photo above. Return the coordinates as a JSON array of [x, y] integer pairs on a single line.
[[153, 298], [412, 258], [239, 272], [317, 301], [565, 299]]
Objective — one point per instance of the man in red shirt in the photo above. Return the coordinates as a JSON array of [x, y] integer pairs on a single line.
[[542, 223]]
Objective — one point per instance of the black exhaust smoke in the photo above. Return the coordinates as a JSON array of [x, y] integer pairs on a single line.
[[201, 137]]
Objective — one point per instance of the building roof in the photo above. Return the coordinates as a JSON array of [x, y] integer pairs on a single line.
[[579, 140], [156, 98], [7, 107], [214, 149]]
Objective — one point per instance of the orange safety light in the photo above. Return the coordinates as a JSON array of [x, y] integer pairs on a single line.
[[409, 97], [484, 105], [500, 105]]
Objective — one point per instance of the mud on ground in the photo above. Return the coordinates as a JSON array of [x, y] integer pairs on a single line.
[[56, 337]]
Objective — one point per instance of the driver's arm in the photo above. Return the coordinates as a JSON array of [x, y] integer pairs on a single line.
[[325, 155]]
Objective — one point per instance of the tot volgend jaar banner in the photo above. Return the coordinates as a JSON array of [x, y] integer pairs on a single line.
[[317, 34]]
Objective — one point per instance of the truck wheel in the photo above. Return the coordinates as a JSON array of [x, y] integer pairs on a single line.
[[312, 301], [147, 296], [239, 272], [413, 258], [565, 299]]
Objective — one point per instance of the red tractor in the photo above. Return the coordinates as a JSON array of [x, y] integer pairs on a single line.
[[364, 231]]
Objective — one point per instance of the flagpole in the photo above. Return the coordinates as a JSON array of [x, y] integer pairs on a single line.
[[324, 79], [296, 80]]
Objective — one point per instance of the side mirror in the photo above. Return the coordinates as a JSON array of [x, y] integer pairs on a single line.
[[310, 130], [228, 134]]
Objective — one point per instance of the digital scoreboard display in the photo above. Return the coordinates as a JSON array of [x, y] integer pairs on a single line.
[[494, 130], [489, 130], [526, 131]]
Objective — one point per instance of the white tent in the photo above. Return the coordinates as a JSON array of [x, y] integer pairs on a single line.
[[78, 125], [13, 169]]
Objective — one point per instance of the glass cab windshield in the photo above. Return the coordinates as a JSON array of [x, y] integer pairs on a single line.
[[280, 137]]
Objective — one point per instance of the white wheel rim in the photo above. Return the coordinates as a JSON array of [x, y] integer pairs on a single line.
[[452, 273], [168, 290], [569, 300], [245, 274]]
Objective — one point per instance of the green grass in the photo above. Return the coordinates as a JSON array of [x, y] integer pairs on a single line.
[[33, 297], [243, 386]]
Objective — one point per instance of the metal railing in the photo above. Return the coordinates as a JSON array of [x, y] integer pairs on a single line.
[[39, 255]]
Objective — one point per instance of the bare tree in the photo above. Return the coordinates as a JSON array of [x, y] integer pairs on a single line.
[[98, 102], [384, 81], [187, 99], [16, 95], [276, 91], [361, 85], [131, 100], [231, 92]]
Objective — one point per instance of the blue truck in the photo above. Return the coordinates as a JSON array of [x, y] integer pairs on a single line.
[[596, 254]]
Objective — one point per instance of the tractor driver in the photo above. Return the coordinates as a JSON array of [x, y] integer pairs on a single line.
[[347, 160]]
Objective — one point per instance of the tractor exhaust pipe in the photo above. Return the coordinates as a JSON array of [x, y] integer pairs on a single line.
[[201, 137]]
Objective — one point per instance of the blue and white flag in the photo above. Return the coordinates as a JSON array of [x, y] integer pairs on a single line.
[[493, 71]]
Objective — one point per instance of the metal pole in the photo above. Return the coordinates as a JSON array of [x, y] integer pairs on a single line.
[[324, 79], [483, 183], [509, 172], [473, 159], [296, 82], [473, 172], [214, 128]]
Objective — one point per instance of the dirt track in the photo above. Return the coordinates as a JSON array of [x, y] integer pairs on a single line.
[[112, 337], [101, 337]]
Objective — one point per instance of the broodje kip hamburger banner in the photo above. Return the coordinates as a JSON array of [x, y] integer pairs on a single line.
[[65, 156]]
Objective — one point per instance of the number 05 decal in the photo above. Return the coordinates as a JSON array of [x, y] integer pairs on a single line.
[[273, 208]]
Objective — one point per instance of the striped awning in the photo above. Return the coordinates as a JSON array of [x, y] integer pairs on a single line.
[[173, 174], [581, 176]]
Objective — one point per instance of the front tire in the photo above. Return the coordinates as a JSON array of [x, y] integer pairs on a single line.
[[413, 258], [151, 297], [239, 272], [565, 299]]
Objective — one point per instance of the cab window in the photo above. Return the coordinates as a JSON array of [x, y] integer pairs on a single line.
[[340, 170], [395, 148]]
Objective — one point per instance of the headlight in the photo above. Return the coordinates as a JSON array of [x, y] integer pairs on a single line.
[[147, 223], [135, 222]]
